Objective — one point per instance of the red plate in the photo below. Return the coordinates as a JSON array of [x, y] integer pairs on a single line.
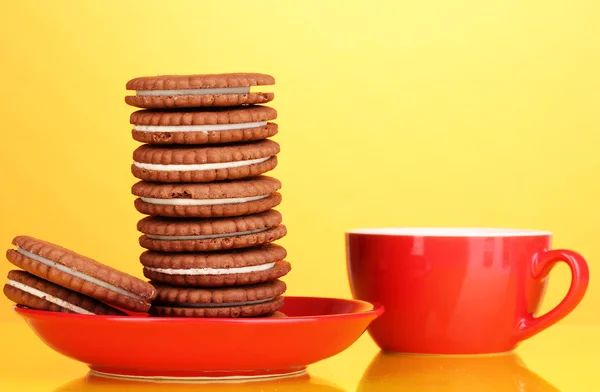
[[144, 346]]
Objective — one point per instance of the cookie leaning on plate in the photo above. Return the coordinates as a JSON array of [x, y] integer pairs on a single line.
[[202, 126], [201, 235], [207, 200], [212, 269], [28, 290], [246, 301], [81, 274], [203, 90], [204, 164]]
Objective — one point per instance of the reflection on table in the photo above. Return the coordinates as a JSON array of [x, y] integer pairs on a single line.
[[302, 383], [498, 373]]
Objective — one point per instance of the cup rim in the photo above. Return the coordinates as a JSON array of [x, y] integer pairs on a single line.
[[448, 232]]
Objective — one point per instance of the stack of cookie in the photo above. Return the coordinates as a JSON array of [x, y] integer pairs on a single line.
[[211, 222]]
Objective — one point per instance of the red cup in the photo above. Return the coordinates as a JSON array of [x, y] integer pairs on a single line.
[[458, 290]]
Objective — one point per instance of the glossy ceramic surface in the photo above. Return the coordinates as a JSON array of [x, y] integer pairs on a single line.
[[144, 346], [563, 358], [459, 293]]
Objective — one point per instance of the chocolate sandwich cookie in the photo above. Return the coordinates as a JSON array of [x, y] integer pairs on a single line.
[[207, 200], [212, 269], [28, 290], [201, 235], [247, 301], [81, 274], [204, 164], [202, 126], [203, 90]]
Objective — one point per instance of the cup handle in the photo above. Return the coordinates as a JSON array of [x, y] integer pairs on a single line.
[[543, 262]]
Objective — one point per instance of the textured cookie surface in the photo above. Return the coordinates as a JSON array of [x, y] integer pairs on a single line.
[[191, 101], [199, 81], [221, 312], [182, 91], [199, 235], [81, 274], [222, 260], [197, 126], [188, 155], [280, 269], [248, 187], [204, 164], [205, 200], [213, 269], [28, 290], [209, 211], [247, 301]]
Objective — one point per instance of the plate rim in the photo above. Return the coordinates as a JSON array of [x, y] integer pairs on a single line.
[[375, 309]]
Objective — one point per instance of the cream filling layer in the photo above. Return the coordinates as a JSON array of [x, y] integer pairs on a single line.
[[213, 271], [198, 128], [212, 305], [194, 91], [201, 202], [55, 300], [200, 166], [79, 274], [202, 237]]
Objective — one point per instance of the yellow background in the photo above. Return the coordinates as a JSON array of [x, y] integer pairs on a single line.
[[409, 113]]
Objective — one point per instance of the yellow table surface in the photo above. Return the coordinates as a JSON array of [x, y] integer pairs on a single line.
[[562, 358]]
